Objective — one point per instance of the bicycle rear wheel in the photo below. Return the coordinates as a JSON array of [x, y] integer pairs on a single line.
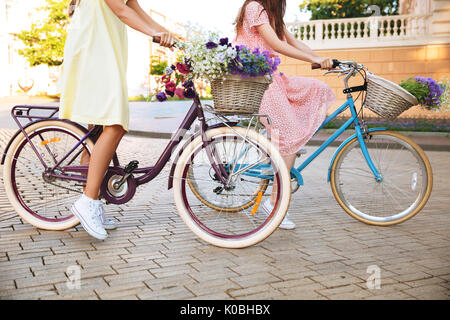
[[40, 200], [242, 226], [406, 186]]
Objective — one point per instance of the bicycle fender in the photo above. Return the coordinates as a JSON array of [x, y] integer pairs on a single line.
[[175, 161], [5, 152], [342, 146]]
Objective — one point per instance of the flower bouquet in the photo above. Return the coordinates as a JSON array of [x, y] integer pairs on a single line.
[[430, 94], [239, 76]]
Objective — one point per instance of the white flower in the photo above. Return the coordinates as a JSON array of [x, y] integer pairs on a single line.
[[168, 71], [232, 53]]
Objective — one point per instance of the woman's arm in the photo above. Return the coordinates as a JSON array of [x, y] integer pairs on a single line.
[[167, 39], [134, 4], [131, 18], [297, 43], [283, 47]]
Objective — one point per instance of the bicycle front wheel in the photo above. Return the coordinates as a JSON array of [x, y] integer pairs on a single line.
[[407, 179], [226, 220]]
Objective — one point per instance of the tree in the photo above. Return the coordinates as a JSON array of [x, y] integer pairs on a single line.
[[44, 43], [158, 67], [335, 9]]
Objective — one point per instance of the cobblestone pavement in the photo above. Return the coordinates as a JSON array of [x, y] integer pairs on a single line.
[[153, 255]]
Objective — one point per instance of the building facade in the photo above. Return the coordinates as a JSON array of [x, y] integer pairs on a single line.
[[415, 42]]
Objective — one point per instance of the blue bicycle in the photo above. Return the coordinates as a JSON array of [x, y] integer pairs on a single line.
[[378, 177]]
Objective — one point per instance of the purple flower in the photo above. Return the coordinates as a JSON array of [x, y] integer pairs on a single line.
[[189, 93], [224, 42], [170, 93], [211, 45], [277, 61], [188, 84], [161, 97]]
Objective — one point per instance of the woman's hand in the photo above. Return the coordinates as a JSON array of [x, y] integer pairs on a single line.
[[325, 63], [167, 39]]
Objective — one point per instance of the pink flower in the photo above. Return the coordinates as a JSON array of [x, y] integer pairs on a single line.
[[165, 78], [171, 86], [179, 92], [182, 68]]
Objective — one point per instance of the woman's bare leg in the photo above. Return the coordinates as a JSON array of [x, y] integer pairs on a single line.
[[101, 157], [290, 161], [85, 156]]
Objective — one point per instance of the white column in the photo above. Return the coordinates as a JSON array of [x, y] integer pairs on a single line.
[[319, 31], [373, 24]]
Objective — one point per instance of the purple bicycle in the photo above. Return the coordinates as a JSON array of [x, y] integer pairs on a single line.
[[43, 174]]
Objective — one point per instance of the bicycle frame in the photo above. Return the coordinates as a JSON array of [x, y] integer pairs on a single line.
[[148, 173], [360, 133]]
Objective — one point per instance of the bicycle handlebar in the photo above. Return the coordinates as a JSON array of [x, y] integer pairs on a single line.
[[336, 64]]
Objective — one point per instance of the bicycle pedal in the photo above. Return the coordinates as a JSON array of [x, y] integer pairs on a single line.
[[131, 167]]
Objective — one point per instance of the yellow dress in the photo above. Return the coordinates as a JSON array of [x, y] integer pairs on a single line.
[[93, 81]]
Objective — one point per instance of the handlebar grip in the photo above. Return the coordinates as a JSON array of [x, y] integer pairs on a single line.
[[336, 64]]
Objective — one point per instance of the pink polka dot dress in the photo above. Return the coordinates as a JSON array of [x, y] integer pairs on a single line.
[[297, 106]]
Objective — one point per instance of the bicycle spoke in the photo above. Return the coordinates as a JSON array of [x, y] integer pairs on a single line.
[[393, 198]]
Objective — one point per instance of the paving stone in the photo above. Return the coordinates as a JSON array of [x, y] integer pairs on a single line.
[[38, 292], [177, 293], [170, 282], [122, 290], [255, 279], [210, 287], [429, 292], [336, 280]]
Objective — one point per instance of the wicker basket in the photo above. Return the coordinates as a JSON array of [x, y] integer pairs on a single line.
[[386, 98], [239, 96]]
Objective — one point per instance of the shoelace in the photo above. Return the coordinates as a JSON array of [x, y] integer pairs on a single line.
[[97, 213], [102, 213]]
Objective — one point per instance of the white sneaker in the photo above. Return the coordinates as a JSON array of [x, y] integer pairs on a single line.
[[286, 224], [89, 214], [302, 152], [108, 224]]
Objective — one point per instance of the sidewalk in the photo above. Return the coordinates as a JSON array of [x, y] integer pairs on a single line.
[[161, 120], [153, 255]]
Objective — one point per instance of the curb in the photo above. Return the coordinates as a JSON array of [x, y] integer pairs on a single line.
[[316, 142]]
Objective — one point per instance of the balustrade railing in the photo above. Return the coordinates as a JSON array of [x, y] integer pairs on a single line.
[[359, 31]]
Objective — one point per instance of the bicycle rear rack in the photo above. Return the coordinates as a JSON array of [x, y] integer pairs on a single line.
[[28, 113]]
